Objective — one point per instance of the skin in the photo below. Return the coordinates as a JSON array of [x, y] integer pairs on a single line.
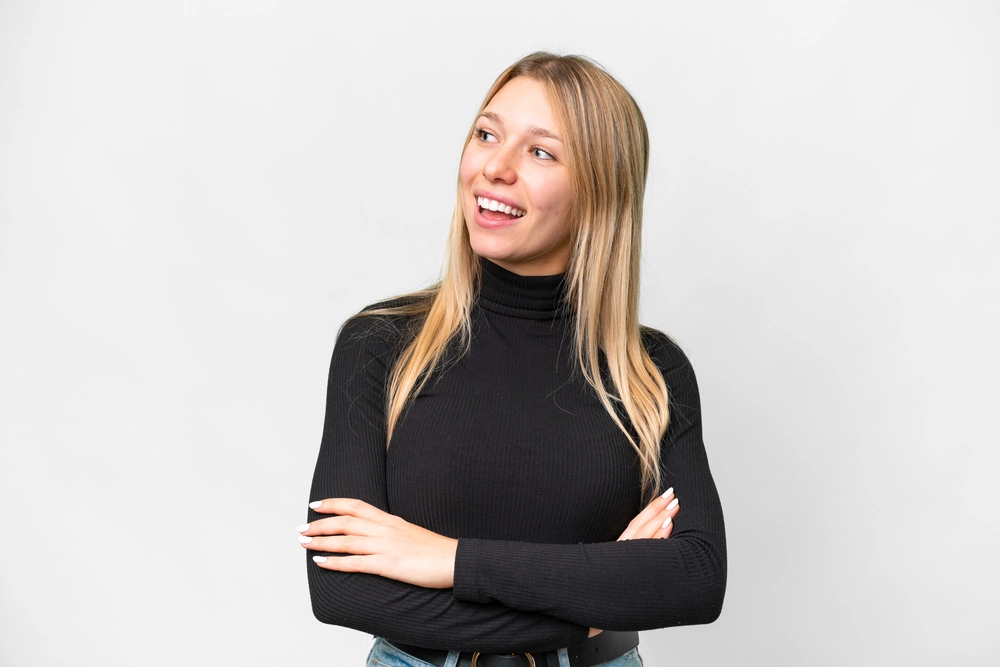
[[515, 156], [381, 543]]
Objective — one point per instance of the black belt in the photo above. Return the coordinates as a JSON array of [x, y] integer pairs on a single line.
[[601, 648]]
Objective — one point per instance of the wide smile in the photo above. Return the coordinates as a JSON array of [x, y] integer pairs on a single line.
[[499, 208]]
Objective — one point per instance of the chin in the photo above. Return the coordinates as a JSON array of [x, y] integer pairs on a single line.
[[491, 254], [488, 246]]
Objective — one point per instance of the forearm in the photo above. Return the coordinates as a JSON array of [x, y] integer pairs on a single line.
[[632, 585], [432, 618], [351, 464]]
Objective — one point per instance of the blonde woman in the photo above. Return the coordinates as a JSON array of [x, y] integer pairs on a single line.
[[504, 454]]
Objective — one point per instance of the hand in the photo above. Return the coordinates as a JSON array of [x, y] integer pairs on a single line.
[[656, 520], [379, 543]]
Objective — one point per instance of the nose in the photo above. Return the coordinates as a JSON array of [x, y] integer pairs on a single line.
[[501, 166]]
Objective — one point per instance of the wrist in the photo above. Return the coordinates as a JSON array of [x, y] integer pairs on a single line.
[[451, 550]]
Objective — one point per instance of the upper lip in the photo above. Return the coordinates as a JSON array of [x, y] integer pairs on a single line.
[[502, 200]]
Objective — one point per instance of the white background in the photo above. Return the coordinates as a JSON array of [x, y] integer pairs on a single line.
[[194, 195]]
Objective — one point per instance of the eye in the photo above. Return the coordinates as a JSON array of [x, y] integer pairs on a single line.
[[483, 135], [542, 154]]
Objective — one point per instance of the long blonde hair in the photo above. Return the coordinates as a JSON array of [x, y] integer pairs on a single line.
[[608, 156]]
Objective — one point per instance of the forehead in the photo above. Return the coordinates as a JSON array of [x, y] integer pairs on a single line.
[[523, 103]]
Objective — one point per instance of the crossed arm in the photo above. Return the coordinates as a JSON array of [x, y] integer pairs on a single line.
[[379, 543], [383, 575], [376, 542]]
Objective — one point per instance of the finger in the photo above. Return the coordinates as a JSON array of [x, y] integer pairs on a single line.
[[340, 525], [667, 526], [673, 507], [651, 511], [657, 523], [342, 544], [351, 506], [664, 532], [367, 564], [655, 506]]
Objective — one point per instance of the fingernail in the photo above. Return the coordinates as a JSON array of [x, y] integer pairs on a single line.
[[315, 504], [666, 523], [319, 559], [303, 528], [305, 539], [673, 504], [668, 492]]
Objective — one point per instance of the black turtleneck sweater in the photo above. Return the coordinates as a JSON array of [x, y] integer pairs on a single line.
[[509, 450]]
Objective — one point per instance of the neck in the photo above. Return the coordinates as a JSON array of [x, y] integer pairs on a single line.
[[538, 266], [531, 297]]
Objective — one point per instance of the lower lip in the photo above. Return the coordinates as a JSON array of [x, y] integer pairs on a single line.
[[493, 224]]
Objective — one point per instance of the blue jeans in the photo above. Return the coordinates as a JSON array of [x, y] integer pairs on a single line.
[[384, 654]]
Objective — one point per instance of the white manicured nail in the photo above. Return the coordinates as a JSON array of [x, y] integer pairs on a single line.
[[303, 528], [673, 504], [668, 492], [305, 539], [319, 559], [666, 523], [315, 504]]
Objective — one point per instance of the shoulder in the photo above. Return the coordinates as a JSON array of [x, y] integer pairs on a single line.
[[664, 350], [369, 342], [668, 356], [682, 386], [383, 324]]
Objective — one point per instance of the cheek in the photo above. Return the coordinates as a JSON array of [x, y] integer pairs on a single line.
[[555, 196], [466, 174], [558, 203], [468, 167]]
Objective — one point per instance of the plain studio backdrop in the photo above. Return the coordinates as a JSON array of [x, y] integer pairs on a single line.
[[195, 195]]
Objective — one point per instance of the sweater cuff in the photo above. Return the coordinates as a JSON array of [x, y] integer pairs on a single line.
[[466, 587]]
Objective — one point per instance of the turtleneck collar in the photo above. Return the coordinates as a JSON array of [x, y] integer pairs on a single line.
[[527, 297]]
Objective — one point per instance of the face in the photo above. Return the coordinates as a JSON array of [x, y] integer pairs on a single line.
[[515, 185]]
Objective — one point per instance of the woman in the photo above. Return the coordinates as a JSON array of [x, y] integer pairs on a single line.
[[489, 442]]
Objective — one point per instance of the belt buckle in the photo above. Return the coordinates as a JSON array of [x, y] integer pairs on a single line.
[[531, 660]]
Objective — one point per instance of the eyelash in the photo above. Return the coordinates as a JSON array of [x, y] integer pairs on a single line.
[[481, 134]]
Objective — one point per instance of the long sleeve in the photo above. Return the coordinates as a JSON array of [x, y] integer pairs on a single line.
[[352, 463], [632, 585]]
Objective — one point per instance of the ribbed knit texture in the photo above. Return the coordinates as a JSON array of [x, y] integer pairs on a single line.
[[510, 451]]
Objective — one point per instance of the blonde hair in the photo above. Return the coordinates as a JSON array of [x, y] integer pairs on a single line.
[[607, 150]]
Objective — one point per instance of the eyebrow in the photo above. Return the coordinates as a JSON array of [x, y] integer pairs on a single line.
[[532, 129]]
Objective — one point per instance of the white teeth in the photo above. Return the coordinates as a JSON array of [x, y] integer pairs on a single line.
[[494, 205]]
